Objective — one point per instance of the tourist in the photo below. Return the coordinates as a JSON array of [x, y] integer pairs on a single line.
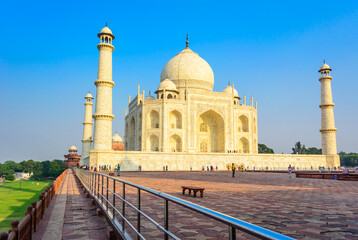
[[289, 170], [216, 168], [118, 170], [191, 169], [233, 170]]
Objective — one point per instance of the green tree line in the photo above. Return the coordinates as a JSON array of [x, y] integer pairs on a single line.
[[41, 170], [300, 148], [349, 159]]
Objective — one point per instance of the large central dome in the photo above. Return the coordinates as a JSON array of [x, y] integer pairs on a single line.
[[188, 67]]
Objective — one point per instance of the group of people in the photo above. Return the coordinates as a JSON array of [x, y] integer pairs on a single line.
[[208, 168], [102, 168]]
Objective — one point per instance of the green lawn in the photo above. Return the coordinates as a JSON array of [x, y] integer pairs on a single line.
[[15, 197]]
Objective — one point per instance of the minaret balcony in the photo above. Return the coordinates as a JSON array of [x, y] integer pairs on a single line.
[[102, 45], [327, 105]]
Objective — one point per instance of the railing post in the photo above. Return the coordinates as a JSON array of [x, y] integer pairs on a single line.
[[29, 212], [107, 195], [14, 226], [232, 233], [41, 198], [33, 204], [166, 218], [102, 190], [138, 213], [123, 205], [114, 198], [3, 236], [92, 183], [97, 186]]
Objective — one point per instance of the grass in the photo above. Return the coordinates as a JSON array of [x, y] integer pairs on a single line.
[[15, 197]]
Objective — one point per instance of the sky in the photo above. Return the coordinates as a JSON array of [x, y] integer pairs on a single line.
[[270, 50]]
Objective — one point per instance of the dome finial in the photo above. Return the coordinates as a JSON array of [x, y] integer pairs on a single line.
[[106, 24], [187, 40], [149, 92], [228, 83]]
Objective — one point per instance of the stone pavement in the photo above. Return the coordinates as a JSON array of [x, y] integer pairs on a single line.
[[71, 215], [297, 207]]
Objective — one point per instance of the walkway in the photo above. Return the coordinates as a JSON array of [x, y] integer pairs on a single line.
[[71, 215]]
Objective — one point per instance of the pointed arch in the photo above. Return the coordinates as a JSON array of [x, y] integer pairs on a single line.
[[132, 135], [175, 119], [243, 124], [153, 143], [175, 143], [214, 136], [153, 119], [244, 145]]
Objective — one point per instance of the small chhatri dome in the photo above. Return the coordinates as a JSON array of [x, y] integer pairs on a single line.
[[325, 66], [73, 148], [188, 69], [228, 90], [149, 97], [89, 95], [167, 85], [117, 138], [107, 31]]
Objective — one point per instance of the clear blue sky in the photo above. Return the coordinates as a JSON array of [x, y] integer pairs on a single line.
[[270, 50]]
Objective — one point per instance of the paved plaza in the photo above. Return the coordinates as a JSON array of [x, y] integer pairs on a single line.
[[297, 207]]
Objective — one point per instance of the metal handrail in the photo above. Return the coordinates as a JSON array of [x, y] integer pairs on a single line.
[[231, 222]]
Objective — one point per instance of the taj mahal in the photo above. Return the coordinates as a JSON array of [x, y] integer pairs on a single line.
[[185, 125]]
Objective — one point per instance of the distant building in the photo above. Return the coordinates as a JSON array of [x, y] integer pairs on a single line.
[[117, 143], [22, 175], [72, 158]]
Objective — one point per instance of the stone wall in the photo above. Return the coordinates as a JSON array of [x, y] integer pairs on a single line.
[[154, 161]]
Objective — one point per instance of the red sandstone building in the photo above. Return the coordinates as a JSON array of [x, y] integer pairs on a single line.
[[117, 143], [72, 158]]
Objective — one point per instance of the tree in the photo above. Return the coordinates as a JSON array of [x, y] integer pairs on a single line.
[[56, 167], [28, 166], [10, 177], [313, 150], [299, 148], [15, 167], [349, 159], [264, 149]]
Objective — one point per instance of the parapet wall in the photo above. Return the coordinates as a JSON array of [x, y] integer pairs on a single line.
[[182, 161]]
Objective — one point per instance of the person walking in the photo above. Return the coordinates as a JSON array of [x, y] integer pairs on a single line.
[[118, 170], [289, 170], [233, 168]]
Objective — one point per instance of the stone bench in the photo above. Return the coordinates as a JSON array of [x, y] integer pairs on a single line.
[[194, 189]]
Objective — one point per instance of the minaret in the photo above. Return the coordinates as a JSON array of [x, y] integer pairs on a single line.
[[103, 116], [328, 130], [87, 129]]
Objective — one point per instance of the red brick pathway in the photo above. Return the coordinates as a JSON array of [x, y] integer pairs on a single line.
[[77, 221], [81, 220], [297, 207]]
